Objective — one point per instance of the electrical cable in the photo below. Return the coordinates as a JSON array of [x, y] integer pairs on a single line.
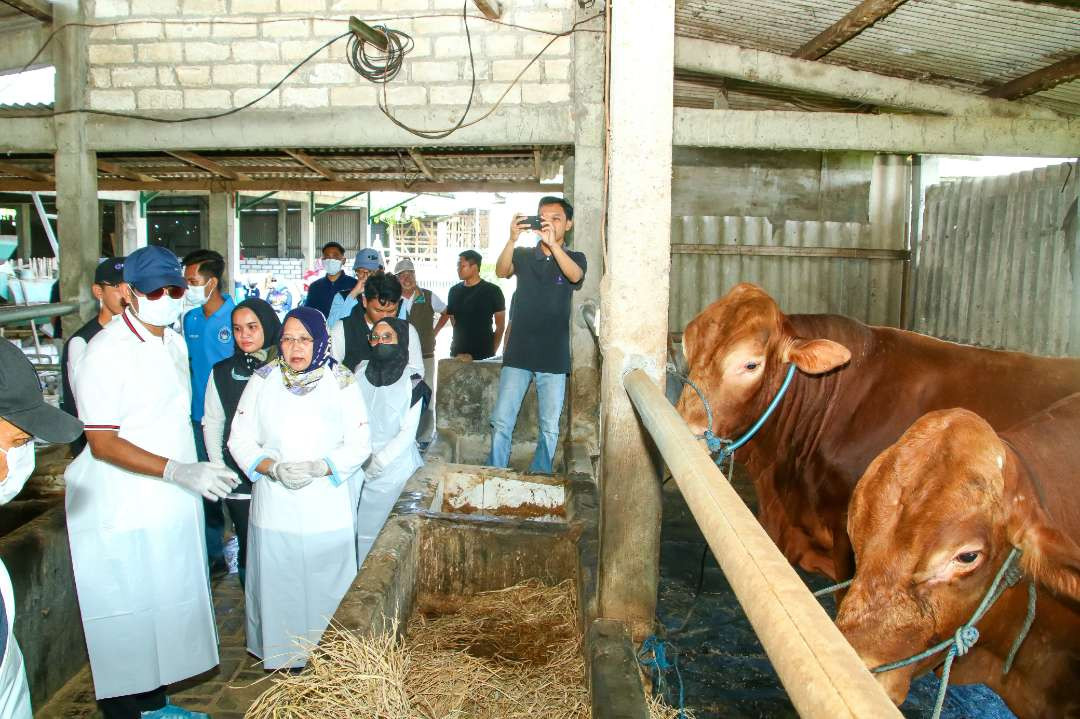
[[376, 67]]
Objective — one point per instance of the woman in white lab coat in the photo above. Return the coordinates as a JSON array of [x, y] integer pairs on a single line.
[[394, 397], [301, 434]]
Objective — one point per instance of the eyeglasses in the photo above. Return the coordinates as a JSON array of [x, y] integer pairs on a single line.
[[384, 337], [302, 341], [175, 292]]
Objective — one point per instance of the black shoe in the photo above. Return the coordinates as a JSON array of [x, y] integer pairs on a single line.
[[218, 569]]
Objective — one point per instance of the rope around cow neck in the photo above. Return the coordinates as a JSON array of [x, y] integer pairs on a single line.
[[725, 448], [967, 634]]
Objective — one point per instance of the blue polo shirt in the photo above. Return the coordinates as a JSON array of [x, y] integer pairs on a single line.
[[320, 294], [209, 340]]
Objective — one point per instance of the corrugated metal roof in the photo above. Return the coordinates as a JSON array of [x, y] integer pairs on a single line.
[[972, 45]]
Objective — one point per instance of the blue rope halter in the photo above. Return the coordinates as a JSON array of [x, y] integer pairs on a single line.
[[725, 448]]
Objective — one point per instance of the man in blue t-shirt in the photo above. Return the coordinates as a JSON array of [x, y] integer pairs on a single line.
[[322, 291], [208, 333], [538, 347]]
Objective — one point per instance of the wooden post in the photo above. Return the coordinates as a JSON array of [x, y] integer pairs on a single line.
[[634, 303], [282, 225], [822, 674]]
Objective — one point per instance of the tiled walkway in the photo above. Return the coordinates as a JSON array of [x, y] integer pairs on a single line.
[[224, 693]]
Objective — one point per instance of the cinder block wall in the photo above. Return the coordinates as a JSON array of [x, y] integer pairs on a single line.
[[287, 268], [197, 55]]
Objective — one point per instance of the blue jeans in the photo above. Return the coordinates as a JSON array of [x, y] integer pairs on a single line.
[[550, 390]]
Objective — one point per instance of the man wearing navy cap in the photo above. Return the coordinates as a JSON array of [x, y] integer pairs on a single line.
[[106, 290], [134, 502], [23, 416]]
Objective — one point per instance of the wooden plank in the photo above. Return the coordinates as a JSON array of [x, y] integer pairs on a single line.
[[492, 9], [861, 17], [359, 185], [13, 169], [822, 674], [418, 158], [844, 253], [536, 163], [38, 9], [1038, 81], [206, 164], [312, 164], [120, 171]]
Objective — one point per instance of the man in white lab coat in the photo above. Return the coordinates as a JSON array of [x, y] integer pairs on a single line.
[[23, 416], [134, 502]]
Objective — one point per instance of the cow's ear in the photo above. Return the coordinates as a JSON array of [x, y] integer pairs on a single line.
[[817, 356], [1049, 555]]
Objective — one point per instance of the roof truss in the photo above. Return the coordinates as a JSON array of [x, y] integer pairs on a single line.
[[862, 16]]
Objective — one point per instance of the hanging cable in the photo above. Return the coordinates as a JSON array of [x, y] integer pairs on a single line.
[[378, 66]]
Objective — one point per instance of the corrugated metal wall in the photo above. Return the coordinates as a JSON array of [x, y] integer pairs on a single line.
[[998, 259], [346, 227]]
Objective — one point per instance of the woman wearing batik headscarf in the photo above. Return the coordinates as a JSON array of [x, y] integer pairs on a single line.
[[256, 330], [301, 434], [394, 398]]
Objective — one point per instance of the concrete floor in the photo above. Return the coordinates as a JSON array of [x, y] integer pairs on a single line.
[[725, 671], [224, 693]]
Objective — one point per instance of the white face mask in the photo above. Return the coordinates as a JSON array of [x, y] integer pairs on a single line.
[[161, 312], [196, 295], [20, 465], [332, 266]]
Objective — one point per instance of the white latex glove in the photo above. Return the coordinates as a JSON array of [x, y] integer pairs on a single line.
[[213, 481], [297, 475], [374, 467]]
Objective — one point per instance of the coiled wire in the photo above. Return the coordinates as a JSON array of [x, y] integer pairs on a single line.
[[374, 65]]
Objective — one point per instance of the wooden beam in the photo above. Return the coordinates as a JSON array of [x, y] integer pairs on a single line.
[[492, 9], [536, 163], [861, 17], [209, 165], [13, 169], [38, 9], [1040, 80], [120, 171], [220, 185], [312, 164], [425, 168]]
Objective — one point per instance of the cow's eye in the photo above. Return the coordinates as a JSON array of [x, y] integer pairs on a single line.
[[967, 557]]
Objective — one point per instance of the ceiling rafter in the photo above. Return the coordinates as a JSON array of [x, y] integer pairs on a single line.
[[492, 9], [861, 17], [209, 165], [13, 169], [1039, 80], [312, 164], [220, 185], [37, 9], [421, 163], [113, 169], [536, 163]]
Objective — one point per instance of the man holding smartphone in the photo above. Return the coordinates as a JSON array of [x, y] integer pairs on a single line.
[[538, 349]]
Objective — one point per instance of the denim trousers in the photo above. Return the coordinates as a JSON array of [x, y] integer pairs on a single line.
[[550, 391]]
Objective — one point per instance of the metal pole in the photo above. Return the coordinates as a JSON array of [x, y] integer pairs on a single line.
[[822, 673], [46, 224]]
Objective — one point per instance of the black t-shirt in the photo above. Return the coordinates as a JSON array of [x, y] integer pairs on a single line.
[[540, 336], [472, 309]]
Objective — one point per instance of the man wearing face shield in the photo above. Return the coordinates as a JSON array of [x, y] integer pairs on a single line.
[[23, 416], [134, 502]]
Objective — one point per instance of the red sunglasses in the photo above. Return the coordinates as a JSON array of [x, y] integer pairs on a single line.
[[175, 292]]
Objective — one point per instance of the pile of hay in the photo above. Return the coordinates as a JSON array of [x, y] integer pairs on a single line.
[[509, 654]]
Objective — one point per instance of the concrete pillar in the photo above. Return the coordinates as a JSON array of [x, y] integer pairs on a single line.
[[307, 235], [282, 225], [76, 172], [634, 304], [583, 186], [224, 235], [23, 213], [130, 228]]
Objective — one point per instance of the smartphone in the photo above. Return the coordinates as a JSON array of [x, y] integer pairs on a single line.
[[532, 222]]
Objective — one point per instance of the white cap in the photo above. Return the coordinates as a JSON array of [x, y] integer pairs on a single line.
[[404, 265]]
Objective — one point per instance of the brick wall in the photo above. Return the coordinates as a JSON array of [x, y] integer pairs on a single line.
[[216, 54], [285, 268]]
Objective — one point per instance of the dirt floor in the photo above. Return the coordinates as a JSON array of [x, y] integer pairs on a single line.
[[725, 672], [224, 693]]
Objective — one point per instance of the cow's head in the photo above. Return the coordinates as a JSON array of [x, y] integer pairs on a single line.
[[737, 350], [931, 521]]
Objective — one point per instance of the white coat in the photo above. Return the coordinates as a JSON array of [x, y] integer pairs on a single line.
[[137, 543], [14, 691], [393, 441], [301, 543]]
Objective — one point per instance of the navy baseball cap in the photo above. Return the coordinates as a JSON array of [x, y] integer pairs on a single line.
[[110, 271], [151, 268], [21, 402], [367, 259]]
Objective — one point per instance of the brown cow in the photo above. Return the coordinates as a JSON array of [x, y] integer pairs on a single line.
[[858, 388], [932, 521]]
